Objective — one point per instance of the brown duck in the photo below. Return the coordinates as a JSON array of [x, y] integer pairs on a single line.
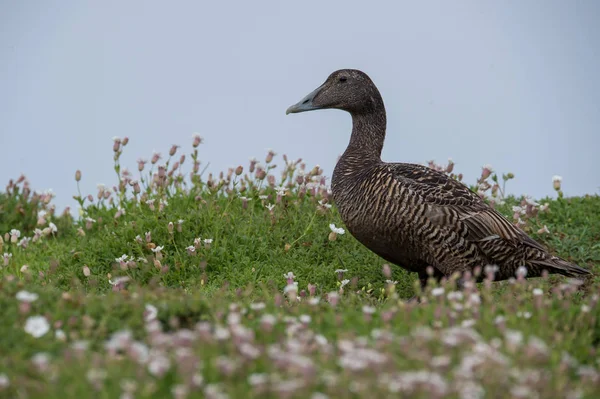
[[412, 215]]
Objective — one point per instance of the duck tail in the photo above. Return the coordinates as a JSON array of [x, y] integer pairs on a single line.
[[554, 264]]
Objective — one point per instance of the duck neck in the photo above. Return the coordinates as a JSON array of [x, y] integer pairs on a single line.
[[368, 134]]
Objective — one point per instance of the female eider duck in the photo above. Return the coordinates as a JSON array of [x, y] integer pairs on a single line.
[[411, 215]]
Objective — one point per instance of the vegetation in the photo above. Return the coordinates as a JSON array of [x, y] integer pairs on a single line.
[[175, 284]]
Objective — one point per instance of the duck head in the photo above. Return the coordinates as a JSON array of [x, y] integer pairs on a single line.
[[350, 90]]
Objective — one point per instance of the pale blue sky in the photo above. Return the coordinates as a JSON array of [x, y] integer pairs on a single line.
[[512, 83]]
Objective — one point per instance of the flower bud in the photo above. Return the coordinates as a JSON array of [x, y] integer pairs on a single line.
[[78, 175], [155, 157], [197, 140], [556, 180], [173, 150], [486, 171], [125, 141], [239, 170]]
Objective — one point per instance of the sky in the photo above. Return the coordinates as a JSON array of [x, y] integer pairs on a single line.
[[514, 84]]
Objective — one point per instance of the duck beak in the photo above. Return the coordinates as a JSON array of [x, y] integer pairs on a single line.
[[306, 104]]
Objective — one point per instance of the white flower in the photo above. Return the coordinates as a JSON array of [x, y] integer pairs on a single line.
[[290, 288], [337, 230], [289, 275], [518, 209], [116, 138], [208, 240], [585, 308], [4, 381], [437, 291], [53, 227], [257, 306], [123, 258], [368, 309], [521, 271], [305, 319], [280, 190], [263, 197], [150, 313], [180, 221], [15, 232], [556, 178], [119, 280], [191, 248], [341, 271], [37, 326], [60, 335], [324, 205], [344, 283], [392, 282], [26, 296], [270, 207], [537, 292], [157, 249]]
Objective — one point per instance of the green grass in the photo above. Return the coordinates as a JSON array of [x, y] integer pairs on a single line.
[[210, 337]]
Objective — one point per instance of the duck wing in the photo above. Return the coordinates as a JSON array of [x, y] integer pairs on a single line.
[[453, 205]]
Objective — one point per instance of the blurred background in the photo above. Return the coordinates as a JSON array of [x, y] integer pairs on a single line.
[[514, 84]]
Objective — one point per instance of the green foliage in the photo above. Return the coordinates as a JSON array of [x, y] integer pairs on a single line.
[[227, 245]]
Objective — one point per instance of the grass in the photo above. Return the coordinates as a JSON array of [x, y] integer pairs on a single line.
[[176, 284]]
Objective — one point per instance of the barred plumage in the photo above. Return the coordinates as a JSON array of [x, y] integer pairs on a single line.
[[412, 215]]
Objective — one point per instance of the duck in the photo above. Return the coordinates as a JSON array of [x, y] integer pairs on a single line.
[[411, 215]]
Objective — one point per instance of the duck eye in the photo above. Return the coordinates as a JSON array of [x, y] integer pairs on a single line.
[[343, 79]]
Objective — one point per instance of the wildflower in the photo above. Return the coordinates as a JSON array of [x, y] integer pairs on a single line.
[[304, 319], [270, 207], [119, 281], [37, 326], [4, 381], [391, 282], [468, 323], [455, 296], [280, 191], [60, 335], [26, 296], [585, 308], [521, 272], [207, 242], [314, 301], [150, 312], [368, 309], [537, 292], [324, 205], [291, 290], [344, 283], [556, 180], [14, 235], [437, 291], [24, 242], [197, 140], [333, 298], [544, 230], [263, 197], [24, 269], [257, 379], [257, 306], [158, 251], [86, 271], [340, 273], [486, 171], [289, 276], [6, 258], [336, 230], [53, 228], [191, 250]]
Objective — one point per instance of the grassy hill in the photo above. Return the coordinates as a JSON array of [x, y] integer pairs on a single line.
[[177, 284]]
